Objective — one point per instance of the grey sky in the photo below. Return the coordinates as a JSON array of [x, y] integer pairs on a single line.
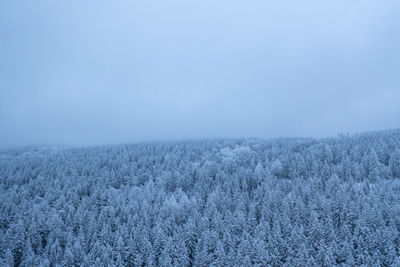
[[85, 72]]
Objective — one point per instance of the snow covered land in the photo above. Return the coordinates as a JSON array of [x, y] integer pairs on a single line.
[[224, 202]]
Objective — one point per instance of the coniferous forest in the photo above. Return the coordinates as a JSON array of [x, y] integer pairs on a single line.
[[223, 202]]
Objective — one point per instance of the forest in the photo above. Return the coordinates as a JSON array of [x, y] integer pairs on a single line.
[[218, 202]]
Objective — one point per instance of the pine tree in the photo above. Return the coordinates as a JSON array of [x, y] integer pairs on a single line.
[[8, 259]]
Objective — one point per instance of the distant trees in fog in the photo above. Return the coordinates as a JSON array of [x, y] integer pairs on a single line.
[[278, 202]]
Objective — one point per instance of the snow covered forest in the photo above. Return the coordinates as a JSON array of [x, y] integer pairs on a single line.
[[226, 202]]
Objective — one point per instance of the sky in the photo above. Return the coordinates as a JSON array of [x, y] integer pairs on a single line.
[[100, 72]]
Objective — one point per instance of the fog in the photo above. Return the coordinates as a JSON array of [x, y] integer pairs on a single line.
[[100, 72]]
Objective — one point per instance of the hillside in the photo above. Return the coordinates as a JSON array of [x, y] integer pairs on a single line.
[[236, 202]]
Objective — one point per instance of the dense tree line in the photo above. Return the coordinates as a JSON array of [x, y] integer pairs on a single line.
[[243, 202]]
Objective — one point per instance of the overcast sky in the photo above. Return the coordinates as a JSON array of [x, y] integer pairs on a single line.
[[93, 72]]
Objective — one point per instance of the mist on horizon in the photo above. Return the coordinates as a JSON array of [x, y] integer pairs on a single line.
[[98, 72]]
